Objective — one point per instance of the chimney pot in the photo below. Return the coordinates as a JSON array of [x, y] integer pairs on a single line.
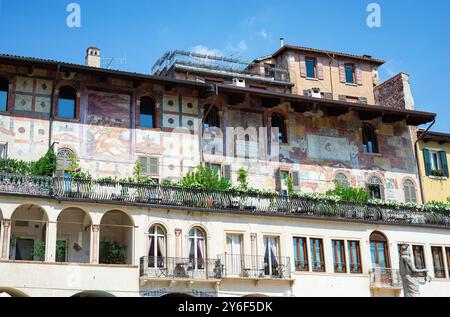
[[93, 57]]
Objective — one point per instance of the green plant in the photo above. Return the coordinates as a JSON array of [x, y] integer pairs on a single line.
[[349, 194], [61, 250], [242, 178], [448, 200], [112, 252], [138, 168], [438, 173], [290, 184], [46, 165], [39, 250], [206, 179]]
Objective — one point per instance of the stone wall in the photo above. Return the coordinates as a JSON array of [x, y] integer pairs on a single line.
[[395, 93]]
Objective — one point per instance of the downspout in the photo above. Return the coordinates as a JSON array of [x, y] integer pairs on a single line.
[[331, 74], [416, 151], [55, 80]]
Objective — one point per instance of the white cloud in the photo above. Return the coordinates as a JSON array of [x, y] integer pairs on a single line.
[[242, 46], [201, 49], [263, 34]]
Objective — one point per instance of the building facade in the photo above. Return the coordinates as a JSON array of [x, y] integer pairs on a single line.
[[434, 155], [279, 116]]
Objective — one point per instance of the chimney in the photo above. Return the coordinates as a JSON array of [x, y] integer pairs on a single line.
[[93, 57], [281, 41]]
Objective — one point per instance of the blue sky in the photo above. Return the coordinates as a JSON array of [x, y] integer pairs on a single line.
[[414, 37]]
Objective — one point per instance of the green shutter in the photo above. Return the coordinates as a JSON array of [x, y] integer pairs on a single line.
[[427, 162], [443, 158], [278, 181]]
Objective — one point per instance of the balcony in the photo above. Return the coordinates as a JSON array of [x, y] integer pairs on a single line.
[[64, 188], [219, 65], [256, 267], [381, 278], [173, 269]]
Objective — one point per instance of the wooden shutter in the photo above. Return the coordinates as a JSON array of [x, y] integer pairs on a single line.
[[342, 72], [150, 166], [320, 68], [358, 75], [278, 181], [427, 162], [302, 66], [444, 162], [296, 179], [413, 194], [407, 190], [227, 172]]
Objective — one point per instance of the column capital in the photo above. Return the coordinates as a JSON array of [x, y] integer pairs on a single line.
[[6, 223], [178, 232], [95, 228]]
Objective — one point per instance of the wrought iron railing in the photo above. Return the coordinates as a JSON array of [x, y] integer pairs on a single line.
[[232, 201], [256, 267], [385, 278], [180, 268]]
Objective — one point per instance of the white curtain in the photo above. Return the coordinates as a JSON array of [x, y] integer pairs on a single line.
[[274, 249], [150, 246], [200, 254], [161, 251]]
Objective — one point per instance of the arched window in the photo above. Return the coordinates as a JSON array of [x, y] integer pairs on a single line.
[[379, 250], [278, 122], [410, 191], [342, 180], [67, 103], [197, 249], [370, 144], [4, 86], [157, 247], [212, 119], [375, 188], [147, 112]]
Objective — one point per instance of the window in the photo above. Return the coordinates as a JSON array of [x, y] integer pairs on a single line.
[[215, 167], [350, 73], [67, 103], [317, 256], [3, 151], [341, 180], [278, 122], [284, 183], [311, 67], [375, 188], [436, 163], [410, 191], [235, 261], [370, 144], [447, 251], [272, 256], [211, 118], [379, 251], [438, 262], [4, 87], [157, 247], [150, 166], [301, 255], [197, 249], [338, 248], [419, 257], [354, 253], [147, 112]]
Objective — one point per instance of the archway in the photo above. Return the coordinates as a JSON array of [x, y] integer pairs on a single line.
[[92, 294], [11, 292], [28, 233], [116, 238], [73, 236]]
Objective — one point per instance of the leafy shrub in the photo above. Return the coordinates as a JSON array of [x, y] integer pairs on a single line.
[[349, 194], [242, 178], [46, 165], [205, 178], [112, 252]]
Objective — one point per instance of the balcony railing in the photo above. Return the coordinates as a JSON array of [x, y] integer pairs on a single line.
[[180, 269], [256, 267], [385, 278], [238, 202]]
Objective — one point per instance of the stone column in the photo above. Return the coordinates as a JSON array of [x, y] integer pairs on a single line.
[[95, 234], [50, 245], [5, 238]]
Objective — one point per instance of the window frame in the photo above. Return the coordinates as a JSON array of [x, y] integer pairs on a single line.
[[441, 262], [282, 131], [412, 187], [368, 135], [338, 246], [56, 113], [419, 257], [351, 257], [298, 243], [6, 83], [312, 244], [314, 61], [139, 113], [207, 118], [385, 243], [155, 234], [346, 183], [380, 184], [353, 68], [192, 236]]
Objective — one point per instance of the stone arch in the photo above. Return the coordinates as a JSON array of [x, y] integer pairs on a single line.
[[92, 294], [28, 233], [12, 292], [116, 231], [74, 227]]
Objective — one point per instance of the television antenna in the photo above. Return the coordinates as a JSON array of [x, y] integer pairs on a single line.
[[110, 61]]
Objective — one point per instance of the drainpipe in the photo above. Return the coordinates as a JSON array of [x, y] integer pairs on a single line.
[[416, 151], [331, 74]]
